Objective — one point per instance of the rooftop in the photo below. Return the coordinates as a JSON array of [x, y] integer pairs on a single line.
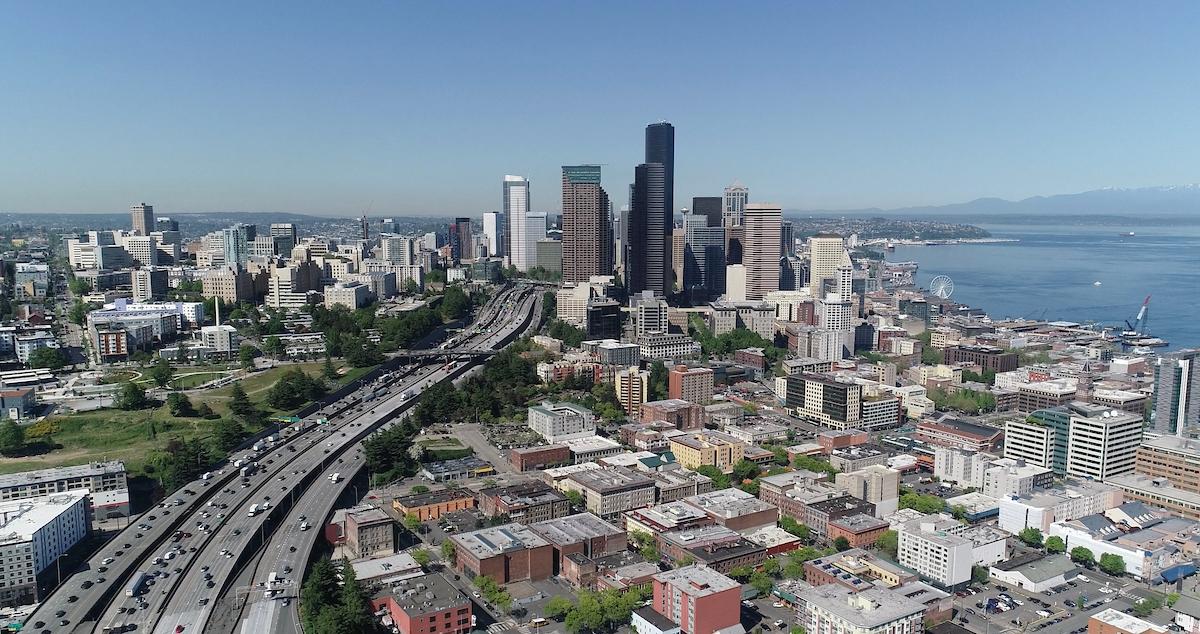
[[1127, 622], [433, 497], [524, 494], [660, 622], [770, 536], [1037, 567], [610, 480], [961, 427], [671, 404], [497, 540], [591, 444], [60, 473], [392, 566], [574, 529], [858, 452], [869, 608], [457, 465], [859, 523], [20, 519], [427, 594], [697, 581], [728, 503]]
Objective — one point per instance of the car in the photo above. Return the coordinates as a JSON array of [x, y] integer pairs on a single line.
[[100, 579], [86, 584], [64, 622], [203, 601], [126, 546], [60, 614], [779, 623], [747, 604], [72, 599], [971, 611], [777, 604], [151, 518], [107, 560], [102, 569]]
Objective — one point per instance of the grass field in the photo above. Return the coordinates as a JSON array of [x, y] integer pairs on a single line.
[[191, 381], [111, 434]]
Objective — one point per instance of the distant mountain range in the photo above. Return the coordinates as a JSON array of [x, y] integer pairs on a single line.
[[1170, 202]]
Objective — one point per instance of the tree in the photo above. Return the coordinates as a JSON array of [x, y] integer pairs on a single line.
[[1112, 564], [79, 286], [246, 355], [575, 497], [130, 397], [1031, 536], [355, 610], [273, 346], [161, 372], [719, 479], [51, 358], [78, 313], [12, 437], [179, 405], [979, 574], [227, 435], [240, 403], [420, 488], [841, 544], [888, 542], [421, 556], [557, 607], [790, 525], [328, 372], [745, 470], [1055, 545], [925, 503], [412, 523], [1083, 556], [293, 389], [448, 552], [771, 567], [741, 573], [318, 592], [658, 381], [1145, 607], [762, 583]]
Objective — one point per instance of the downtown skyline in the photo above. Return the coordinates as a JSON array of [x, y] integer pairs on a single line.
[[825, 107]]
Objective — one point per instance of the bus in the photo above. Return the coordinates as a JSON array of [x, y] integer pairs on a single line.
[[135, 586]]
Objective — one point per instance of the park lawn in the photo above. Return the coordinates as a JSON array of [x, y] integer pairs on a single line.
[[118, 376], [191, 381], [110, 435]]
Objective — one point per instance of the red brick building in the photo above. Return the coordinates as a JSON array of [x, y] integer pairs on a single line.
[[583, 534], [694, 385], [684, 415], [859, 530], [540, 457], [699, 599], [448, 612], [831, 439], [751, 358], [506, 553]]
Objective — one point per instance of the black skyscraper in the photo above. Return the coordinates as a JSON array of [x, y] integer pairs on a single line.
[[709, 207], [660, 149], [648, 257]]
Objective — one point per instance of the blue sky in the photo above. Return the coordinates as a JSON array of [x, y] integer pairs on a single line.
[[421, 108]]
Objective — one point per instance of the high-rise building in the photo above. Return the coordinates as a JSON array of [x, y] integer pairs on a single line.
[[677, 245], [787, 238], [660, 148], [516, 205], [649, 253], [237, 244], [824, 256], [709, 207], [734, 204], [143, 218], [535, 231], [493, 233], [459, 239], [703, 259], [761, 251], [285, 235], [1103, 444], [166, 224], [587, 237], [1176, 392], [633, 389]]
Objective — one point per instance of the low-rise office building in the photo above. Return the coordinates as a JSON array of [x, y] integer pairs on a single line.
[[434, 504], [683, 415], [1171, 457], [610, 492], [426, 604], [699, 599], [105, 483], [735, 509], [505, 553], [557, 422], [370, 532], [697, 449], [525, 503], [539, 457], [583, 533], [835, 608]]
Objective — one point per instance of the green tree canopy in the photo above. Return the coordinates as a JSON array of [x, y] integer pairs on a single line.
[[1083, 556], [1112, 564], [12, 437], [1055, 544], [52, 358], [1031, 537], [131, 396]]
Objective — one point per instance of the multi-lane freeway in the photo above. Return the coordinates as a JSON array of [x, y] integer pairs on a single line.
[[176, 560]]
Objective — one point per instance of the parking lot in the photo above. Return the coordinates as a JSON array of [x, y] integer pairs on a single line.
[[1050, 612]]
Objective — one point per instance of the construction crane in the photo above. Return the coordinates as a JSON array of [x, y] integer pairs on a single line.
[[1138, 327]]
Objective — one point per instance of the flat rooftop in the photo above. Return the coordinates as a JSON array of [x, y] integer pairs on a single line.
[[26, 478], [1037, 567], [859, 523], [728, 503], [433, 497], [610, 480], [869, 608], [524, 494], [1127, 622], [697, 581], [458, 465], [425, 595], [20, 519], [591, 444], [397, 565], [858, 452], [497, 540], [574, 529], [672, 404]]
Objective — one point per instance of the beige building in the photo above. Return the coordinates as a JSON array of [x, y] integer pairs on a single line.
[[697, 449], [762, 224], [825, 255], [633, 389]]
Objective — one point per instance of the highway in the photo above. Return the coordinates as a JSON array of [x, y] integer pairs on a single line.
[[279, 613], [212, 515]]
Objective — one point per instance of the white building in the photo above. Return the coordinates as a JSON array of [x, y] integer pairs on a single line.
[[222, 339], [1040, 509], [557, 422], [677, 346], [493, 233], [521, 252], [835, 608], [964, 468], [26, 345], [352, 295], [1008, 477], [37, 531], [934, 548], [1103, 446], [106, 482]]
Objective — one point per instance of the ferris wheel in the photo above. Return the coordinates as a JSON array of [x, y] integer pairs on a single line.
[[942, 286]]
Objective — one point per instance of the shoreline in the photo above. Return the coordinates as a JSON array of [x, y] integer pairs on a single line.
[[936, 242]]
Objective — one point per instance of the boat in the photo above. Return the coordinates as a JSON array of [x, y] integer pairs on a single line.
[[890, 246], [1129, 234], [1142, 350], [1096, 283], [1148, 342]]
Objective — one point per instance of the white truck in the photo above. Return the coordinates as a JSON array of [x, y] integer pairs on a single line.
[[335, 477], [253, 510]]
